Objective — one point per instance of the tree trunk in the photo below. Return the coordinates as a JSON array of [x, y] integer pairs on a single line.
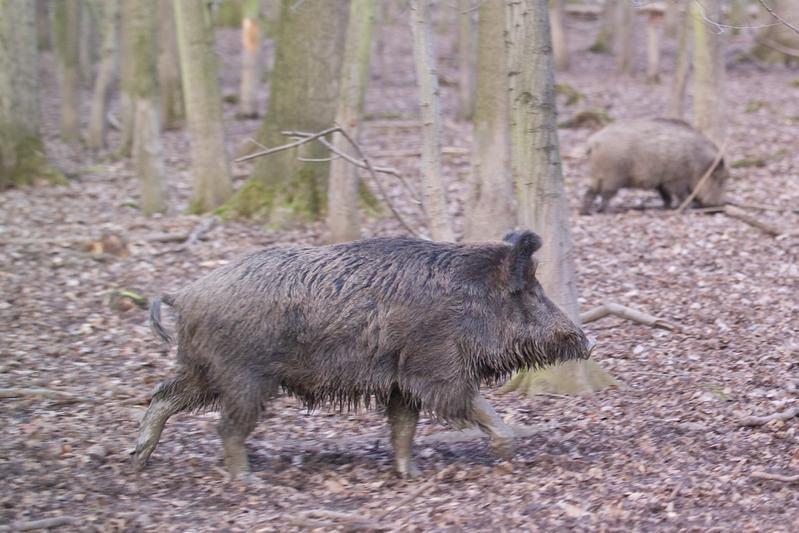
[[43, 25], [66, 26], [127, 80], [775, 36], [708, 79], [96, 138], [433, 196], [147, 149], [536, 168], [625, 15], [22, 157], [212, 184], [603, 44], [304, 96], [342, 199], [680, 80], [250, 45], [491, 209], [560, 48], [466, 51], [169, 82], [653, 24], [86, 37]]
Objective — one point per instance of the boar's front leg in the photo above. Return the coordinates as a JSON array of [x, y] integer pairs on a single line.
[[501, 436], [402, 417]]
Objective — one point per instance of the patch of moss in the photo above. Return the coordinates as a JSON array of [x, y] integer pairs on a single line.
[[228, 14], [753, 106], [368, 201], [749, 162], [795, 83], [572, 95], [252, 200], [32, 166]]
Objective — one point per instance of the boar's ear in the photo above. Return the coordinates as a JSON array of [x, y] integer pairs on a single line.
[[521, 264]]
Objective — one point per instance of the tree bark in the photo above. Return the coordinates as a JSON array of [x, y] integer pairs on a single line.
[[66, 26], [559, 44], [653, 28], [86, 40], [303, 96], [22, 157], [680, 80], [603, 43], [96, 138], [342, 202], [466, 52], [127, 80], [147, 148], [43, 25], [708, 78], [491, 209], [536, 168], [210, 167], [433, 196], [250, 46], [169, 78], [625, 15]]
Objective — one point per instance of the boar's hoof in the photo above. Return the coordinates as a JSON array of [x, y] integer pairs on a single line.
[[407, 469], [503, 447]]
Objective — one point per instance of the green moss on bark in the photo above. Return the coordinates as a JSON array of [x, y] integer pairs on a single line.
[[30, 166]]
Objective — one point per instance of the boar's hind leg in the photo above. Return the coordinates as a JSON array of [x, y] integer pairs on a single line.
[[402, 417], [489, 422], [171, 397], [665, 195], [588, 199], [241, 408]]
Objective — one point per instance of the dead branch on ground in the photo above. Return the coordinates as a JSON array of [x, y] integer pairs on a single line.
[[628, 313], [759, 474], [191, 238], [764, 207], [330, 519], [743, 216], [704, 178], [751, 421], [44, 523], [38, 392]]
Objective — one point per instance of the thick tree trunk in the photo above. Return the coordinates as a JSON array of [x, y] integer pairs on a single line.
[[210, 167], [559, 46], [433, 196], [536, 167], [625, 15], [342, 199], [22, 157], [304, 96], [466, 52], [169, 79], [680, 80], [96, 138], [708, 78], [250, 45], [66, 25], [491, 209], [147, 149]]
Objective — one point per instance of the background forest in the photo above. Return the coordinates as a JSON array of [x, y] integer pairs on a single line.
[[132, 140]]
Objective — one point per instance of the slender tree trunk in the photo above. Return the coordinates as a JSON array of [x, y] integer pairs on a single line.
[[536, 167], [147, 149], [43, 24], [342, 199], [559, 44], [66, 25], [86, 34], [625, 15], [708, 79], [22, 157], [250, 45], [169, 80], [491, 209], [96, 138], [127, 80], [433, 196], [680, 80], [673, 19], [304, 96], [466, 52], [653, 24], [212, 184], [603, 43]]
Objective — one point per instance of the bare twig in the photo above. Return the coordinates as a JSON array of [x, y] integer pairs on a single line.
[[44, 523], [759, 474], [735, 212], [751, 421], [621, 311], [354, 522], [703, 179], [764, 207], [288, 146], [776, 16]]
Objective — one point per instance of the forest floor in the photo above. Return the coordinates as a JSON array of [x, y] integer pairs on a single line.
[[666, 451]]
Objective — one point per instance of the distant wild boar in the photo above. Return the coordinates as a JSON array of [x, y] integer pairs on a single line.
[[412, 325], [663, 154]]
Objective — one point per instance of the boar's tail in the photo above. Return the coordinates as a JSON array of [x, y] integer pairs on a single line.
[[155, 318]]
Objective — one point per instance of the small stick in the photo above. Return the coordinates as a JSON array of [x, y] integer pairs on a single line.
[[751, 421], [44, 523], [776, 16], [37, 392], [703, 179], [628, 313], [288, 146], [763, 207], [735, 212], [759, 474]]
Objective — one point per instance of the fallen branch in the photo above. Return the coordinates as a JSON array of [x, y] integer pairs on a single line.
[[627, 313], [759, 474], [354, 522], [191, 238], [44, 523], [704, 178], [38, 392], [740, 214], [764, 207], [751, 421]]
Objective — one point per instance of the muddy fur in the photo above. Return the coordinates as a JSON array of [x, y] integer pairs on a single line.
[[345, 324], [662, 154]]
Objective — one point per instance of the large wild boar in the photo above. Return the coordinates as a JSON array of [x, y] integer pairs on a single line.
[[412, 325], [661, 154]]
